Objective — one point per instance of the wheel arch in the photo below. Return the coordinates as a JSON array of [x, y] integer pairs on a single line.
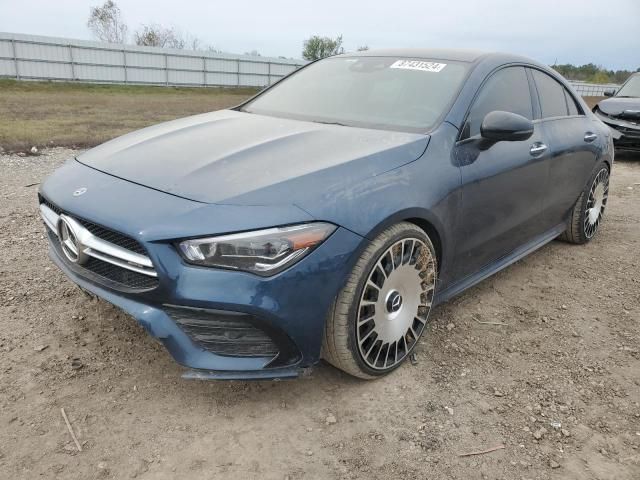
[[433, 234], [423, 219]]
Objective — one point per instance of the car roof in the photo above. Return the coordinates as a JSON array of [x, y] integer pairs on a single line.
[[452, 54], [457, 55]]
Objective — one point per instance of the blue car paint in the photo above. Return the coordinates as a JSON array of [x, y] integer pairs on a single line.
[[294, 301], [150, 215], [206, 158], [147, 186]]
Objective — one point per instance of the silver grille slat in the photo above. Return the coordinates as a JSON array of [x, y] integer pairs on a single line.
[[50, 218], [99, 248]]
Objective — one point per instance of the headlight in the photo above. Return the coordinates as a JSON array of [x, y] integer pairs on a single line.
[[264, 252]]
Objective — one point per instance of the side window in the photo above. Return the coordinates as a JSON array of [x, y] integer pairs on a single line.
[[571, 103], [506, 90], [552, 95]]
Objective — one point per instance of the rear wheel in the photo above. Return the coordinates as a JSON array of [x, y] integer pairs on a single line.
[[381, 312], [589, 210]]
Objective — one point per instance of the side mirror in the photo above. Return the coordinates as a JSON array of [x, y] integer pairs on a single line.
[[505, 126], [609, 92]]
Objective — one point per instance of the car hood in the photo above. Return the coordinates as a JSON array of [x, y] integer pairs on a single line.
[[628, 108], [241, 158]]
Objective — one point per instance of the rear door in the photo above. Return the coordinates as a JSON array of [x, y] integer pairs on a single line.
[[503, 183], [573, 141]]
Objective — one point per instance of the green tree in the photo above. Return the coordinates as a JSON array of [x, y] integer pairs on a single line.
[[591, 73], [600, 77], [318, 47]]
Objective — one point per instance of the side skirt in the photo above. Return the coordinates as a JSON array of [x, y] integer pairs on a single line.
[[501, 263]]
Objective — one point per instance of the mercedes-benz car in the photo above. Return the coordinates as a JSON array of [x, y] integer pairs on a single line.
[[326, 216], [621, 113]]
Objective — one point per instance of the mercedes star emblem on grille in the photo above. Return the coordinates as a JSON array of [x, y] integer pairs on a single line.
[[71, 246]]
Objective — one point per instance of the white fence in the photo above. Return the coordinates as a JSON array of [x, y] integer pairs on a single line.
[[34, 57], [48, 58], [592, 89]]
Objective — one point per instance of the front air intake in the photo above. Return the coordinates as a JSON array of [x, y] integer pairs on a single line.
[[222, 332]]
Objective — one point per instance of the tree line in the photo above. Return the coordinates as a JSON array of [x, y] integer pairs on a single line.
[[592, 73], [107, 24]]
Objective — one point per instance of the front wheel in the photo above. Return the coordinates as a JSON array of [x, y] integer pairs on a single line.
[[588, 211], [381, 312]]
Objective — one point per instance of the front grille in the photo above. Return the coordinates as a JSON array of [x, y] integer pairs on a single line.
[[121, 276], [50, 205], [114, 237], [102, 232], [105, 273], [223, 333], [98, 270]]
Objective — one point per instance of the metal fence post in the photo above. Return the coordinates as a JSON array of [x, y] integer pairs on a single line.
[[268, 73], [124, 64], [15, 58], [73, 68], [166, 69], [238, 62], [204, 71]]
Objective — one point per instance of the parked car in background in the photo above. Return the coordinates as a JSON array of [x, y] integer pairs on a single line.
[[621, 113], [328, 215]]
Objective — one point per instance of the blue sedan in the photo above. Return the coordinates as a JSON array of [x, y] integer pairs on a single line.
[[326, 216]]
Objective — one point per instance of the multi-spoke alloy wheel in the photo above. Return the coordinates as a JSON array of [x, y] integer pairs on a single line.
[[381, 312], [596, 202], [395, 303], [588, 211]]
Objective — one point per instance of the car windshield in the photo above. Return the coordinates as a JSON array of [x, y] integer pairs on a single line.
[[372, 92], [631, 88]]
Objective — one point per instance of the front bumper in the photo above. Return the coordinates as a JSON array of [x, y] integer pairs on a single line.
[[626, 134], [289, 308]]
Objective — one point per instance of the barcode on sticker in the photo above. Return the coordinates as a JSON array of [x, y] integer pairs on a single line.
[[418, 65]]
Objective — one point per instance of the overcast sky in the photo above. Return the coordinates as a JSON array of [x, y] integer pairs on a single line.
[[569, 31]]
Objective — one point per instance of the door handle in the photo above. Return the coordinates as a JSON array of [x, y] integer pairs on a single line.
[[538, 148], [590, 137]]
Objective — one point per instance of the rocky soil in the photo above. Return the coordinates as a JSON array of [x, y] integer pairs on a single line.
[[543, 359]]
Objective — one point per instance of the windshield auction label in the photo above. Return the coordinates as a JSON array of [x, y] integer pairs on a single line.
[[419, 65]]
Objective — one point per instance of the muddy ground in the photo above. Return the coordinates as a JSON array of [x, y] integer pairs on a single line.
[[554, 376]]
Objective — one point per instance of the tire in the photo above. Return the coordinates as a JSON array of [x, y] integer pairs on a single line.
[[588, 211], [393, 280]]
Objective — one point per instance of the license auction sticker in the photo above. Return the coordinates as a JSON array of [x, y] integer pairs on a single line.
[[419, 65]]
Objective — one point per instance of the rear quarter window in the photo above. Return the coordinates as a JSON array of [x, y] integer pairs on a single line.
[[574, 109], [553, 102]]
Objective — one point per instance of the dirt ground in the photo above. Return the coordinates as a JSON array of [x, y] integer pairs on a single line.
[[543, 358]]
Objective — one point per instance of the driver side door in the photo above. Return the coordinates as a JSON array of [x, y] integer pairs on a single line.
[[503, 183]]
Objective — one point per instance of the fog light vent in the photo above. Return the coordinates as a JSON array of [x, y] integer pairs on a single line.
[[223, 333]]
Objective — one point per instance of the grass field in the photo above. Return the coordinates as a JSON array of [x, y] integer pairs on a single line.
[[83, 115]]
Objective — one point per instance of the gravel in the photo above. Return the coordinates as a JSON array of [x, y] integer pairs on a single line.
[[562, 346]]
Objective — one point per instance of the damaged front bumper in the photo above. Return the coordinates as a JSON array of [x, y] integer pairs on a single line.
[[626, 133]]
